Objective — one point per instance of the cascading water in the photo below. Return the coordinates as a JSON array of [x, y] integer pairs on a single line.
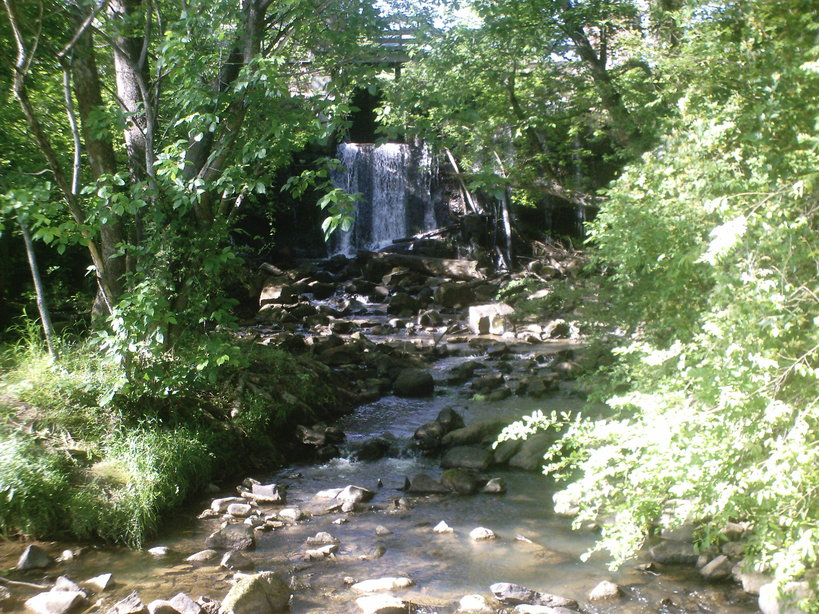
[[397, 183]]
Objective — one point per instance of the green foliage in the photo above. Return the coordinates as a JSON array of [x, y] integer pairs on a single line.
[[710, 242]]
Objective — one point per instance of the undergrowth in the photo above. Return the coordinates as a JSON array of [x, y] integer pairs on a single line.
[[77, 460]]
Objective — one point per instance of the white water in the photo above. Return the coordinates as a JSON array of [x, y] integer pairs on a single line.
[[397, 187]]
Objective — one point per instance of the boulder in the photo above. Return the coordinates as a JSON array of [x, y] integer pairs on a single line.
[[474, 604], [490, 318], [239, 510], [402, 303], [530, 455], [462, 372], [605, 590], [505, 450], [718, 568], [424, 484], [428, 436], [56, 602], [449, 419], [430, 317], [460, 481], [221, 505], [34, 557], [382, 584], [514, 594], [269, 493], [161, 606], [183, 604], [673, 553], [373, 449], [203, 556], [480, 534], [452, 295], [770, 601], [414, 383], [381, 604], [321, 290], [262, 593], [488, 383], [484, 431], [291, 514], [276, 292], [234, 560], [132, 604], [467, 457], [232, 537], [557, 329], [64, 583], [99, 583]]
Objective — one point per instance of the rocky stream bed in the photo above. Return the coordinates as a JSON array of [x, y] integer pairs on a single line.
[[403, 505]]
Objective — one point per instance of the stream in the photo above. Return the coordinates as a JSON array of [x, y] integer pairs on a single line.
[[534, 547]]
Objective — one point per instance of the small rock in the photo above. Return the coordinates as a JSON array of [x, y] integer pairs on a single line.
[[382, 584], [381, 604], [495, 486], [56, 602], [321, 538], [67, 556], [33, 557], [317, 554], [443, 527], [604, 590], [382, 530], [481, 534], [159, 551], [514, 594], [233, 560], [132, 604], [203, 556]]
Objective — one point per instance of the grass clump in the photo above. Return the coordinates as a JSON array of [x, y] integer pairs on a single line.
[[86, 457]]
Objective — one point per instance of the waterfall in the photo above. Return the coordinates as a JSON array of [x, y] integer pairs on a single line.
[[397, 186]]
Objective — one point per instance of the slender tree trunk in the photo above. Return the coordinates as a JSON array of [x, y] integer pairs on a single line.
[[101, 159], [42, 306]]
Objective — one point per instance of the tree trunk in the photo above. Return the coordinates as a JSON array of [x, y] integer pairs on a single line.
[[101, 159], [42, 307]]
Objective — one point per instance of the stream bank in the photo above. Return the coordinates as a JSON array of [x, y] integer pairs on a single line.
[[368, 500]]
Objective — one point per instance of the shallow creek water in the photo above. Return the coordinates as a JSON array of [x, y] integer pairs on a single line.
[[443, 567]]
